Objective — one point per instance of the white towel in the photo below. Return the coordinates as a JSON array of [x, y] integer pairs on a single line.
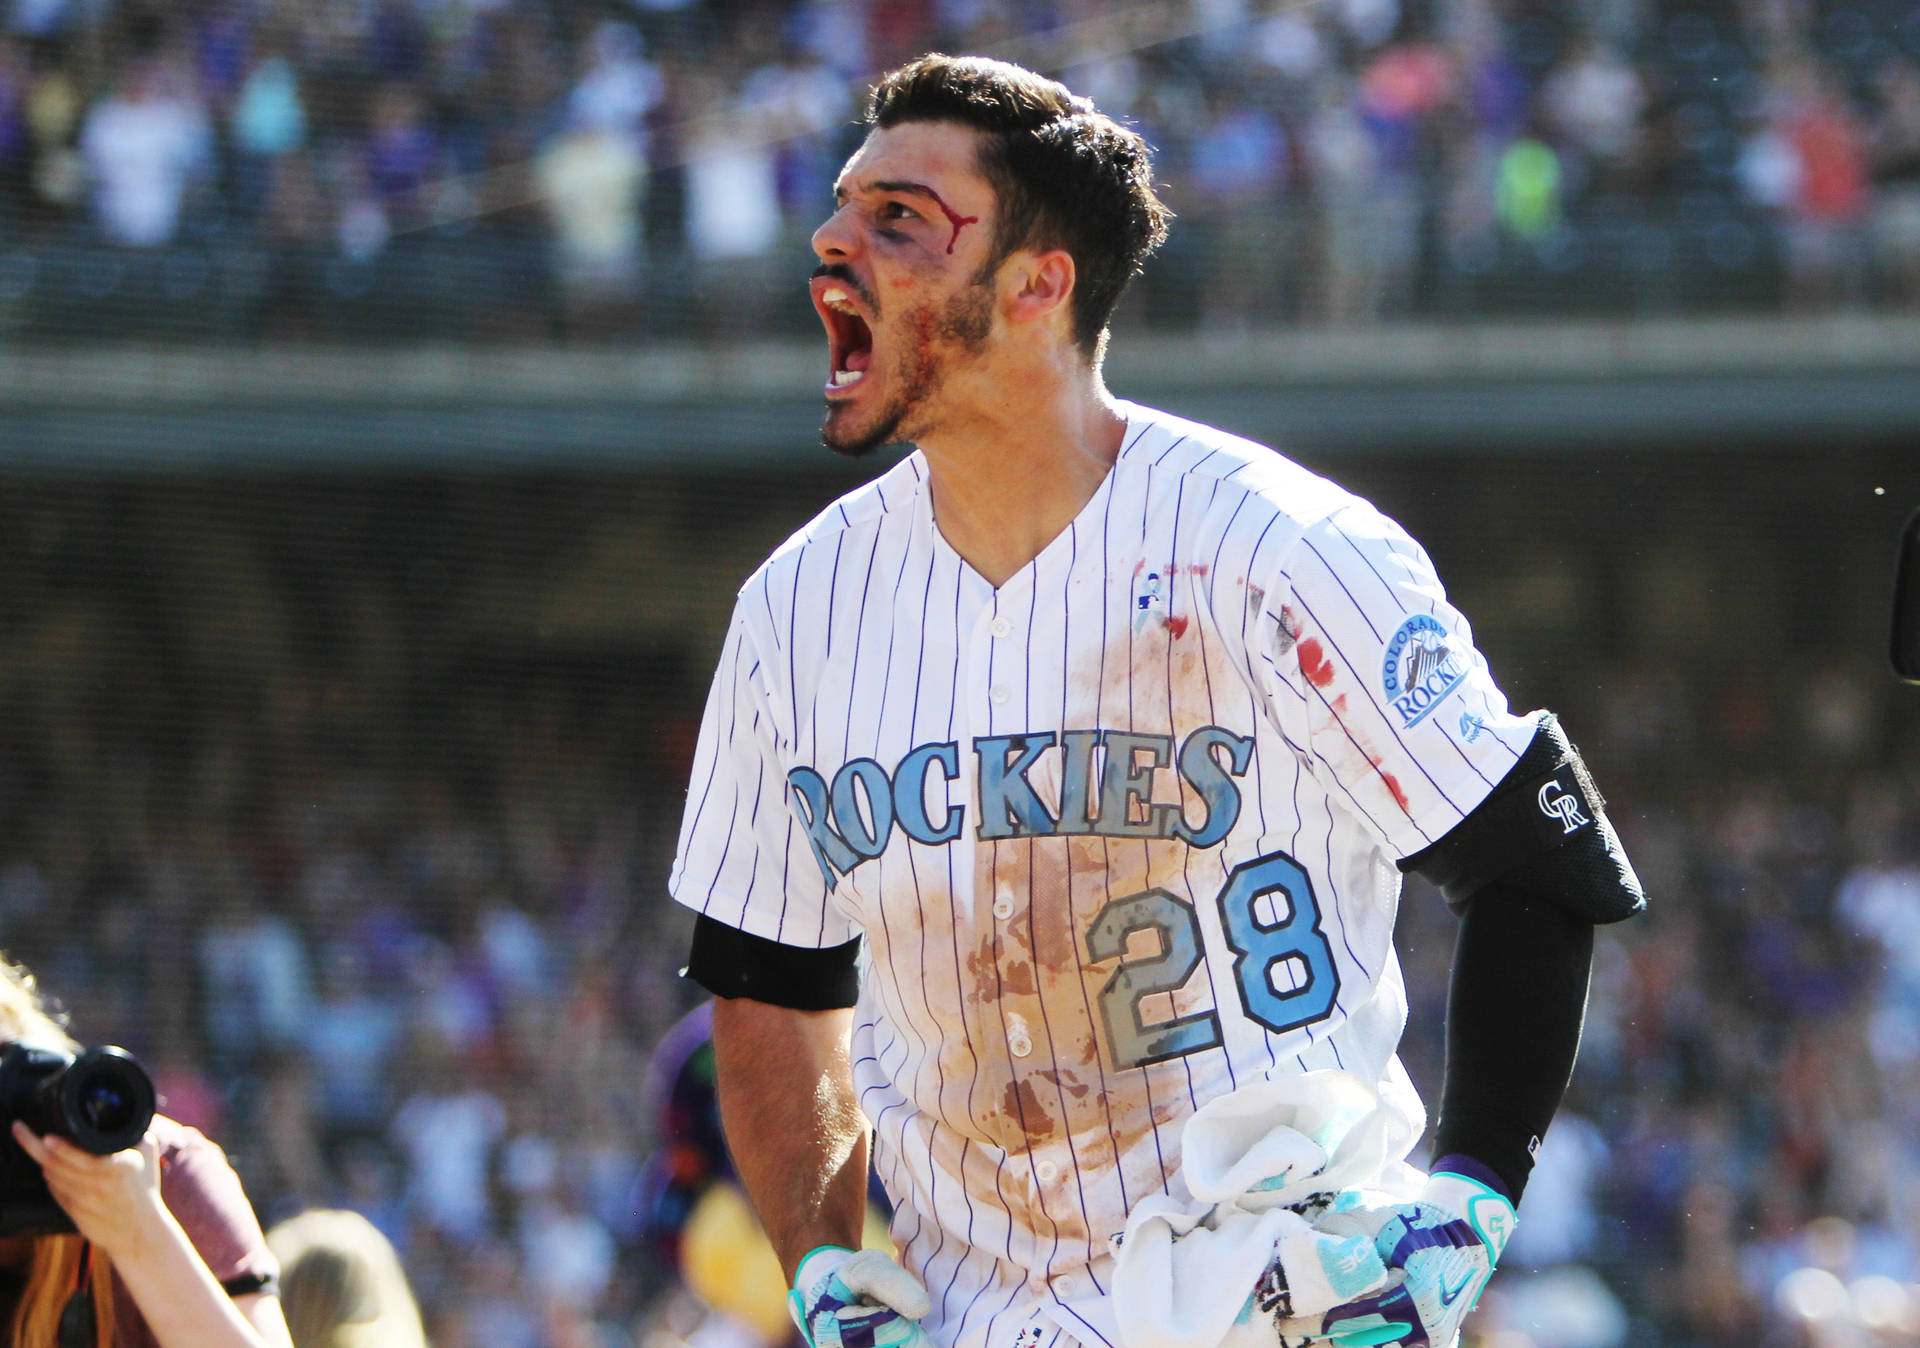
[[1185, 1269]]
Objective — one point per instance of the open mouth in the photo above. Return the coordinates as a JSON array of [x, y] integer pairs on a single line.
[[849, 339]]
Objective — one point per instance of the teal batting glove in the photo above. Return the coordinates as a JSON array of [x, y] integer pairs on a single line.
[[1439, 1251], [844, 1299]]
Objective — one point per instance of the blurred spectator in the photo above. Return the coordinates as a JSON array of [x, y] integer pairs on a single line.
[[1362, 237], [1826, 211], [341, 1283], [1895, 142], [268, 121], [618, 89], [254, 964], [569, 1252], [802, 100], [592, 180], [401, 155], [537, 164], [1563, 1219], [1527, 189], [1238, 176], [351, 1041], [733, 218], [144, 145], [448, 1132], [1594, 100], [733, 191]]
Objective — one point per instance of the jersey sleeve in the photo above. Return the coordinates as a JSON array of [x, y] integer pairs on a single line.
[[743, 858], [1401, 715]]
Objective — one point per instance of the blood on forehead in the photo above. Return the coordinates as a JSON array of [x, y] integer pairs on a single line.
[[954, 218]]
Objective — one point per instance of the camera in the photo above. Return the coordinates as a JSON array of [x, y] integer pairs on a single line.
[[100, 1099]]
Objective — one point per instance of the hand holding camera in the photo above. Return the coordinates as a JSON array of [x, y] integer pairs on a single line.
[[79, 1121]]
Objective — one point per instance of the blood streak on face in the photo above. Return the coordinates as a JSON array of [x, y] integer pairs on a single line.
[[954, 218]]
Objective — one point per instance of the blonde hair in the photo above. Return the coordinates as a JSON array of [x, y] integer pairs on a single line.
[[24, 1013], [341, 1284], [58, 1260]]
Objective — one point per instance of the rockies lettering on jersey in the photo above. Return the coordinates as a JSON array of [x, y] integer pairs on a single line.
[[1117, 835], [848, 822]]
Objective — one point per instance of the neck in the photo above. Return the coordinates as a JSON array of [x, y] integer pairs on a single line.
[[1010, 476]]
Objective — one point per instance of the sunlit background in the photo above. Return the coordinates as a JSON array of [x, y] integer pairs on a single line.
[[396, 391]]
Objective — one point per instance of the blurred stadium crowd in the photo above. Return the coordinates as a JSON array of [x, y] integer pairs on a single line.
[[384, 907], [524, 169]]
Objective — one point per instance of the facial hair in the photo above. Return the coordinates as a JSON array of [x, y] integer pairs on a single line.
[[955, 329]]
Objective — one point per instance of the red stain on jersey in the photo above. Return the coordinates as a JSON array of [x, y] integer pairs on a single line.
[[954, 218], [1140, 566], [1200, 568], [1393, 785], [1314, 663], [1177, 626]]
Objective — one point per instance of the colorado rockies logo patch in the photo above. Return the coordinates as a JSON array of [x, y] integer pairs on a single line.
[[1422, 666], [1561, 802]]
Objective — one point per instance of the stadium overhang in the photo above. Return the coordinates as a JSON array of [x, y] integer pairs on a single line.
[[1499, 388]]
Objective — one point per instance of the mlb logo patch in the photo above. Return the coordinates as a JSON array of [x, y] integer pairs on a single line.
[[1149, 601]]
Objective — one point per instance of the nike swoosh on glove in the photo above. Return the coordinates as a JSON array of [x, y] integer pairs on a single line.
[[844, 1299], [1439, 1252]]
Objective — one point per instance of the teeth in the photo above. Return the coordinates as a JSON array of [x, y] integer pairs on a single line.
[[835, 298], [841, 377]]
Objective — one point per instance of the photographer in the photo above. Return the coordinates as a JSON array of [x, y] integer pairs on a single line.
[[167, 1253]]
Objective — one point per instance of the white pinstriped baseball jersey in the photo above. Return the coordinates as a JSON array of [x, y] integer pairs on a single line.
[[1118, 835]]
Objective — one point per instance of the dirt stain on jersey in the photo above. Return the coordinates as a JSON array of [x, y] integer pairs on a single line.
[[1016, 977], [1065, 1081], [1021, 1102]]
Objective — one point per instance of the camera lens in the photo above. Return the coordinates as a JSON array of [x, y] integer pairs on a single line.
[[106, 1100], [105, 1106]]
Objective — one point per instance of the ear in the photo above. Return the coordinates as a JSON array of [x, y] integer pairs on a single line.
[[1039, 285]]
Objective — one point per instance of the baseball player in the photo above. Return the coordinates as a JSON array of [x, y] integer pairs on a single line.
[[1051, 802]]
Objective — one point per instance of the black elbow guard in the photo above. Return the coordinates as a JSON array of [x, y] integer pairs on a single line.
[[1542, 831], [729, 962]]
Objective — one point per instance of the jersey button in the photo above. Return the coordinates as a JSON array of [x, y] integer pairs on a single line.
[[1003, 906], [997, 694], [1019, 1045], [1046, 1170], [1002, 627], [1066, 1284]]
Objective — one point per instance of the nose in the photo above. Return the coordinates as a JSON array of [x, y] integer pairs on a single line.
[[835, 239]]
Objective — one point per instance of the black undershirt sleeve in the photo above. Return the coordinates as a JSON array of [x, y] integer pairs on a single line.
[[1515, 1009], [729, 962]]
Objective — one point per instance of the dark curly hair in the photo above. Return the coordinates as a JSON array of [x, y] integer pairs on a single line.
[[1064, 174]]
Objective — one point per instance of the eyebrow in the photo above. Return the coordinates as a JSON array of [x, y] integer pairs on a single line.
[[840, 192]]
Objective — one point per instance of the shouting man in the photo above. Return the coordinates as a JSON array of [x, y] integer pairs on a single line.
[[1050, 809]]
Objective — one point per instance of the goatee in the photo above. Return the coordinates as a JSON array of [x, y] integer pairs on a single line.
[[962, 327]]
